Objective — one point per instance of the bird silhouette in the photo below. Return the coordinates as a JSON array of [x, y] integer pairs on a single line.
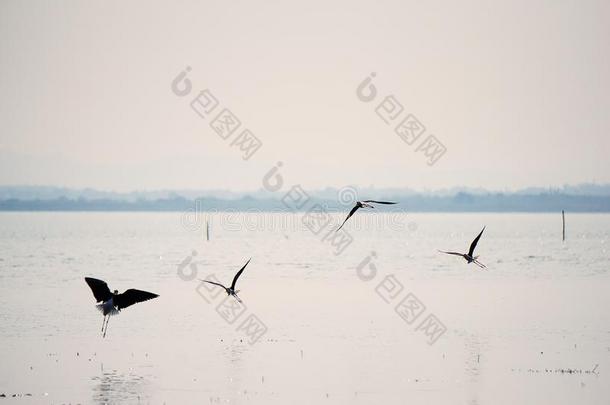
[[363, 204], [231, 290], [470, 257], [111, 303]]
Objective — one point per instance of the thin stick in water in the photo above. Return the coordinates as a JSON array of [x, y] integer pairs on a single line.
[[563, 228]]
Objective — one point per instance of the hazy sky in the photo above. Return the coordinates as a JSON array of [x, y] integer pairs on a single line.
[[518, 92]]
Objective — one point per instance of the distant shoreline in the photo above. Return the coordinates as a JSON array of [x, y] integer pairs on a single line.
[[577, 198], [462, 202], [289, 212]]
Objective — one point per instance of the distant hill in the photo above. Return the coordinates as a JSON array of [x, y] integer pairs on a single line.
[[578, 198]]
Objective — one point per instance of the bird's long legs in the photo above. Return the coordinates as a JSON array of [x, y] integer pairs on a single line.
[[103, 322], [478, 263], [106, 330]]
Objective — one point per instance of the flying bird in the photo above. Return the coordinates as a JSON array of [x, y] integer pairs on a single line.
[[111, 303], [470, 257], [361, 204], [231, 290]]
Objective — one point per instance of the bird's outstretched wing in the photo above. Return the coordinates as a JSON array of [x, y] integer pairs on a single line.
[[379, 202], [212, 282], [239, 274], [131, 297], [452, 253], [474, 243], [100, 289], [348, 216]]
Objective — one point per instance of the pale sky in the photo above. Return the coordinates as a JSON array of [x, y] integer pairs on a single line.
[[517, 91]]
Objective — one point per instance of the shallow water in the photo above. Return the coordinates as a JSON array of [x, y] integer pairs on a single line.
[[531, 329]]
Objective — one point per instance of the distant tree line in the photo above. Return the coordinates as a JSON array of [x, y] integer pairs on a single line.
[[460, 202]]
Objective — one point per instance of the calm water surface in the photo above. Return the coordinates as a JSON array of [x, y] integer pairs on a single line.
[[534, 328]]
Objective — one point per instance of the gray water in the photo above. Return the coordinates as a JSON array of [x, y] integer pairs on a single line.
[[533, 328]]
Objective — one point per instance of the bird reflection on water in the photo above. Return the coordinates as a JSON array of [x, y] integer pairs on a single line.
[[112, 387]]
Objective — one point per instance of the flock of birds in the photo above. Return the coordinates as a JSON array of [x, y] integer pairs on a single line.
[[111, 303]]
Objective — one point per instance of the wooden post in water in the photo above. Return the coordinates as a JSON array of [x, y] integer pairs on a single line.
[[563, 228]]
